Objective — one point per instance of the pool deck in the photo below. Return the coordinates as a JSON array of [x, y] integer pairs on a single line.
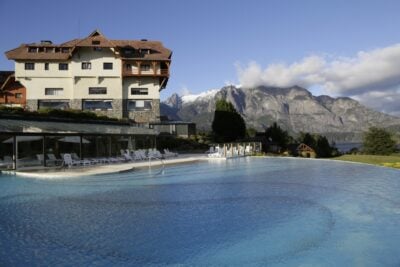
[[108, 168]]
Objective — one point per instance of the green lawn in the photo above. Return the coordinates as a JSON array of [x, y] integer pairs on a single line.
[[387, 161]]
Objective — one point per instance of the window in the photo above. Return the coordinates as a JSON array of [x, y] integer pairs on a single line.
[[139, 91], [65, 50], [145, 67], [46, 66], [32, 49], [94, 42], [29, 66], [97, 48], [97, 104], [18, 95], [63, 66], [97, 90], [139, 105], [53, 91], [86, 65], [54, 104], [128, 51], [145, 51], [49, 49], [128, 67], [107, 66]]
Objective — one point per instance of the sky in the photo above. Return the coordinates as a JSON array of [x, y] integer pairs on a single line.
[[339, 48]]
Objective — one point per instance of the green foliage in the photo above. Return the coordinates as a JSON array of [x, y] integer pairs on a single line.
[[308, 139], [276, 134], [320, 144], [251, 132], [378, 141], [55, 113], [181, 144], [228, 125]]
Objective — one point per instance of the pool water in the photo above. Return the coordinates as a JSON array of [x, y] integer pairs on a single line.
[[240, 212]]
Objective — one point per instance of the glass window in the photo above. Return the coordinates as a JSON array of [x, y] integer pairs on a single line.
[[139, 105], [63, 66], [32, 49], [139, 91], [18, 95], [46, 66], [29, 66], [64, 50], [53, 91], [97, 90], [95, 42], [107, 66], [54, 104], [86, 65], [97, 104]]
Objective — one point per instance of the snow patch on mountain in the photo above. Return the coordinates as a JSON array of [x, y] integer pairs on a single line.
[[202, 96]]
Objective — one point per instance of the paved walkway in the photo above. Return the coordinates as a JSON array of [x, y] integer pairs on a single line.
[[108, 168]]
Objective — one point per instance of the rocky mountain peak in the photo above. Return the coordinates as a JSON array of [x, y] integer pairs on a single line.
[[293, 108]]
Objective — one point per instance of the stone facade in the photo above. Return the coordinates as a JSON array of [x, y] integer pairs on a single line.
[[75, 104], [32, 104], [148, 115]]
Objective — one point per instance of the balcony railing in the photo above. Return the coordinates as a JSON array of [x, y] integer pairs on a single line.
[[136, 72]]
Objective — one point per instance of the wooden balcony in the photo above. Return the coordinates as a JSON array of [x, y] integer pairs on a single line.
[[148, 73]]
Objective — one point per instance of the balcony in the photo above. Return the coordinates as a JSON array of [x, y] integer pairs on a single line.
[[136, 72]]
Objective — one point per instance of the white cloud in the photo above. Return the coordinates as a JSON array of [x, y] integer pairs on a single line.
[[184, 91], [373, 77]]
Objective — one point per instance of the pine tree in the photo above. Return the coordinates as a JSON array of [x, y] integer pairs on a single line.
[[378, 141], [228, 125]]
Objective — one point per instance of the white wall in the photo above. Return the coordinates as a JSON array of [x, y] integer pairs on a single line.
[[76, 82], [97, 58], [35, 87], [113, 85], [144, 82], [39, 70]]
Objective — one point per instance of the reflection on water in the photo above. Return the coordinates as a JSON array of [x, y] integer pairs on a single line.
[[242, 212]]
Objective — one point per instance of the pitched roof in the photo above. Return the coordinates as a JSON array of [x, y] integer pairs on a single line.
[[95, 39], [4, 76], [7, 79]]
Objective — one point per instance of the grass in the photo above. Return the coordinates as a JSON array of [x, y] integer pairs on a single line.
[[392, 161]]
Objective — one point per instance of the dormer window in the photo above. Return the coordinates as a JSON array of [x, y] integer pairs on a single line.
[[64, 50], [145, 51], [95, 42], [32, 49]]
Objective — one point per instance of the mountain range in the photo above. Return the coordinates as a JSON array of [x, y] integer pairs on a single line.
[[295, 109]]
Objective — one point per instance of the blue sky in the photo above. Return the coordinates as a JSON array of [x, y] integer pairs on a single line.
[[242, 42]]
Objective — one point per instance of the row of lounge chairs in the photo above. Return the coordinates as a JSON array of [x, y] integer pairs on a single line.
[[73, 159]]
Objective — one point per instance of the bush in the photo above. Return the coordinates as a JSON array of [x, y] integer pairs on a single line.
[[56, 113], [180, 144]]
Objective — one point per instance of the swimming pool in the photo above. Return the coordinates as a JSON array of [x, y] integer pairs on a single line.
[[240, 212]]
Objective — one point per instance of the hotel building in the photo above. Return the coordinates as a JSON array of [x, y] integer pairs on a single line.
[[117, 78]]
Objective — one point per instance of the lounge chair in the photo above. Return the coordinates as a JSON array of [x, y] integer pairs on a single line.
[[154, 153], [84, 162], [53, 159], [68, 161], [168, 153]]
